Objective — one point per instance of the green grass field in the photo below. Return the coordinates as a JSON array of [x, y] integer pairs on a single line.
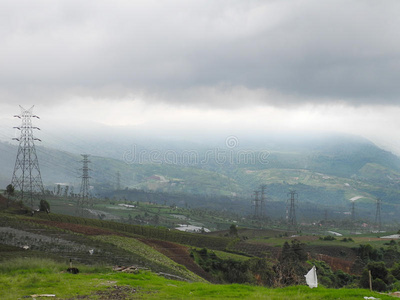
[[24, 277]]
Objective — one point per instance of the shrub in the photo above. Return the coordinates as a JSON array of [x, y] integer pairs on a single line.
[[327, 238], [262, 271], [379, 274], [233, 230], [44, 206], [379, 285], [226, 270], [342, 278], [391, 243], [395, 271], [347, 240], [367, 252]]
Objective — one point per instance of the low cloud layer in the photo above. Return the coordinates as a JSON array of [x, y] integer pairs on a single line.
[[202, 53]]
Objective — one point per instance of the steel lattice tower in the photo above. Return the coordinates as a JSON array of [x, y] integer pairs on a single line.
[[353, 211], [378, 222], [263, 201], [292, 222], [353, 216], [26, 177], [84, 199], [118, 181], [256, 204]]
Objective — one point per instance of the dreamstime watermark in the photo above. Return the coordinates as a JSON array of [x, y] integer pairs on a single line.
[[230, 154]]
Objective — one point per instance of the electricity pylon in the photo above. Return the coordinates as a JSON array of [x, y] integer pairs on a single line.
[[118, 181], [256, 205], [263, 201], [378, 222], [292, 222], [84, 199], [26, 176], [353, 216]]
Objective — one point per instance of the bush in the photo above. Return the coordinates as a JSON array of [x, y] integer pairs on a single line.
[[327, 238], [379, 285], [395, 271], [44, 206], [330, 279], [325, 281], [262, 271], [380, 276], [226, 270], [294, 252], [391, 243], [233, 230], [347, 240], [343, 279], [367, 252]]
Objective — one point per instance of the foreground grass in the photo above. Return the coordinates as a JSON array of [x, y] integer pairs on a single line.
[[24, 277]]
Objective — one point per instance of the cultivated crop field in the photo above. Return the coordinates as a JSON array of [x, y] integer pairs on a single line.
[[170, 264]]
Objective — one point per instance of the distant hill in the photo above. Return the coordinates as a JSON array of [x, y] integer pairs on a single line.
[[327, 171]]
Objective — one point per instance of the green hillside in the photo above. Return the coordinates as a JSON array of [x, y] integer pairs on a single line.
[[325, 172], [123, 261]]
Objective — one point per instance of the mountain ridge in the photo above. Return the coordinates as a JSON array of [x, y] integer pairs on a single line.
[[335, 169]]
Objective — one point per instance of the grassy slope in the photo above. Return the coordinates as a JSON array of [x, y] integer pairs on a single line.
[[24, 277], [151, 257], [117, 241]]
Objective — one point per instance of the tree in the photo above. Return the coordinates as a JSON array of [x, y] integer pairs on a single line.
[[290, 269], [343, 278], [262, 271], [44, 206], [294, 252], [379, 274], [156, 219], [395, 271], [10, 192], [233, 230], [367, 253], [66, 191]]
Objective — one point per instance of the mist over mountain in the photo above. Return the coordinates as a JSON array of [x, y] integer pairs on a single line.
[[326, 170]]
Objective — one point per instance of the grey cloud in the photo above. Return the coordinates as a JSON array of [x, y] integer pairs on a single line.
[[306, 50]]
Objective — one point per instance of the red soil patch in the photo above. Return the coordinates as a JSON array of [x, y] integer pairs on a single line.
[[337, 257], [336, 263], [370, 239], [179, 254], [3, 201], [78, 228]]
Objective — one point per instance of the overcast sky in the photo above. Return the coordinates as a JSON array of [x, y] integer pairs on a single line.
[[280, 65]]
